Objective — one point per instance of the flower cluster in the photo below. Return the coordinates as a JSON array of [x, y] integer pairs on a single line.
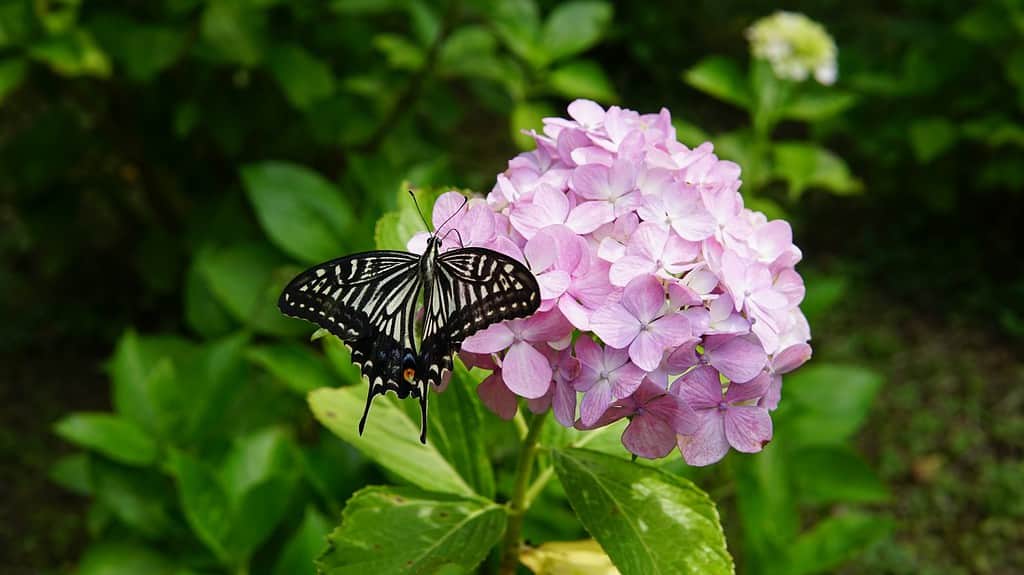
[[664, 300], [795, 46]]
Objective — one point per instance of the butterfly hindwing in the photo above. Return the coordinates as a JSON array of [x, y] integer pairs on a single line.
[[369, 301]]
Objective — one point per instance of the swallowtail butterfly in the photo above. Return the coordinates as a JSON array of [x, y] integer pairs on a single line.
[[369, 300]]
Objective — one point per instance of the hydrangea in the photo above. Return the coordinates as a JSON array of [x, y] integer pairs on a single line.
[[664, 300], [795, 46]]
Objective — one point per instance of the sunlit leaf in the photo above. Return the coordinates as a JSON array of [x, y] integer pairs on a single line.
[[304, 78], [722, 78], [835, 540], [582, 79], [573, 27], [295, 365], [116, 437], [807, 165], [304, 546]]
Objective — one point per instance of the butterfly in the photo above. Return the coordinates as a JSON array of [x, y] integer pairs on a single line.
[[369, 300]]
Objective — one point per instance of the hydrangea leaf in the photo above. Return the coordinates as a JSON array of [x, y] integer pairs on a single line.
[[640, 515], [304, 546], [139, 498], [833, 541], [301, 211], [143, 50], [304, 78], [807, 165], [573, 27], [582, 79], [830, 474], [826, 403], [391, 438], [406, 530], [818, 104], [722, 78], [119, 438], [117, 557], [297, 366]]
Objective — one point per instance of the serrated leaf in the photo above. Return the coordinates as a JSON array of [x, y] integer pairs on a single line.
[[436, 530], [722, 78], [630, 508], [116, 437], [391, 438], [301, 211], [573, 27]]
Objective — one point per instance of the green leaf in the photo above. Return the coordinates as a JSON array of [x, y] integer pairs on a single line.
[[629, 509], [302, 212], [211, 381], [143, 378], [831, 474], [304, 78], [517, 23], [72, 473], [823, 294], [818, 104], [144, 50], [401, 53], [255, 458], [116, 437], [722, 78], [931, 137], [304, 546], [573, 27], [807, 165], [395, 229], [767, 509], [139, 498], [17, 23], [12, 72], [295, 365], [582, 79], [528, 116], [835, 540], [72, 54], [826, 403], [235, 31], [454, 413], [391, 438], [204, 501], [202, 311], [120, 557], [340, 359], [258, 513], [405, 530], [247, 279]]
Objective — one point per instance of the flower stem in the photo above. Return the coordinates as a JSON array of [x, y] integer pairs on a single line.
[[518, 505]]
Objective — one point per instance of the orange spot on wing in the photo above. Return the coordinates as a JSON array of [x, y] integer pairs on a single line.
[[409, 374]]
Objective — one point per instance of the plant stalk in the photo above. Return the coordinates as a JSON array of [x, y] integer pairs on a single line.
[[518, 505]]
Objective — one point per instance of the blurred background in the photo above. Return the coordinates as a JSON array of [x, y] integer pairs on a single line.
[[165, 166]]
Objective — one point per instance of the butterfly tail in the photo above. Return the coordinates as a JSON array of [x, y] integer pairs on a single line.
[[423, 413], [366, 409]]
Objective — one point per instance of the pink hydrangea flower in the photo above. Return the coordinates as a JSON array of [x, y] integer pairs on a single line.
[[647, 258]]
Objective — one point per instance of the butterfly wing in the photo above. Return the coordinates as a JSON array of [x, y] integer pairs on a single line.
[[472, 288], [368, 300]]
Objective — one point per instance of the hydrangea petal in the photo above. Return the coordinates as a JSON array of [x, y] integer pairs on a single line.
[[748, 428], [649, 437], [526, 371], [708, 444]]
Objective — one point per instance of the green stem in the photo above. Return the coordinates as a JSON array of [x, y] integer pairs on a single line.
[[548, 472], [518, 505]]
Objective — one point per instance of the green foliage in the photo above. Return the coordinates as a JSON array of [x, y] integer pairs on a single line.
[[629, 509]]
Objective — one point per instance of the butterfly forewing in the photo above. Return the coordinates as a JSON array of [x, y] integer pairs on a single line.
[[369, 301], [472, 289]]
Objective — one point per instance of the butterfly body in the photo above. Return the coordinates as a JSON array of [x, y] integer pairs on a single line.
[[369, 301]]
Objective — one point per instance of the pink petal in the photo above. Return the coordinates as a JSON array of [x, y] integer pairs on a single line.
[[614, 325], [590, 182], [791, 358], [628, 268], [594, 403], [643, 298], [622, 177], [549, 206], [545, 327], [683, 357], [625, 380], [526, 371], [772, 239], [708, 444], [753, 389], [553, 284], [700, 388], [491, 340], [646, 351], [770, 399], [671, 409], [738, 358], [497, 397], [748, 429], [689, 217], [573, 311], [649, 437], [648, 241], [589, 353], [589, 216], [587, 112], [671, 330], [563, 402], [445, 207]]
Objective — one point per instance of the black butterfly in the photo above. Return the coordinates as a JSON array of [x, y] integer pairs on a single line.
[[369, 301]]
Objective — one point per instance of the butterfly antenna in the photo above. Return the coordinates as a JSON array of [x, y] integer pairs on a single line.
[[418, 210], [457, 234], [465, 201]]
